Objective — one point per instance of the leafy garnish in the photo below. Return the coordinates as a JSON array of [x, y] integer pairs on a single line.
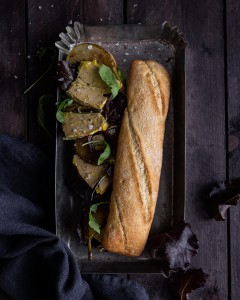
[[114, 110], [92, 220], [105, 154], [42, 102], [175, 247], [66, 73], [60, 107], [110, 79], [184, 282], [121, 74], [49, 52], [222, 196]]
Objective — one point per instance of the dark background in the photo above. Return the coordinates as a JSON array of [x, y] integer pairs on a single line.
[[212, 105]]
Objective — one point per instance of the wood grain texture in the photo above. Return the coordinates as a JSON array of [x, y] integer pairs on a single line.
[[103, 12], [12, 62], [233, 91], [205, 151], [202, 23]]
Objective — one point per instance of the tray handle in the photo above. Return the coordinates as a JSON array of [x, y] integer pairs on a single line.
[[71, 38], [174, 36]]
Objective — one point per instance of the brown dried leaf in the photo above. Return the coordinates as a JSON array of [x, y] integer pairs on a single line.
[[175, 247]]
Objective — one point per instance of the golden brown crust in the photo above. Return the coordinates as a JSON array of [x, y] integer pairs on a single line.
[[139, 159]]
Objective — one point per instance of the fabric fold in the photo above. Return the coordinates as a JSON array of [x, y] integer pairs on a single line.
[[34, 262]]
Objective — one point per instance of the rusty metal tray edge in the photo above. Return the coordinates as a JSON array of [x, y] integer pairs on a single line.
[[172, 35]]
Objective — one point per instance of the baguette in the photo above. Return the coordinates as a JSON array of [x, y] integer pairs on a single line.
[[138, 160]]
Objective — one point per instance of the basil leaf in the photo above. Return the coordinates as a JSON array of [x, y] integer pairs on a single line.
[[92, 220], [110, 79], [121, 74], [60, 107], [93, 223], [42, 102], [105, 155]]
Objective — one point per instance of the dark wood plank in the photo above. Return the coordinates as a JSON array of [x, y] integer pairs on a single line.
[[156, 285], [12, 61], [206, 153], [103, 12], [202, 22], [46, 19], [233, 91]]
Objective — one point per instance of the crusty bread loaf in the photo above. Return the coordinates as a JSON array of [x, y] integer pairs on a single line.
[[139, 159]]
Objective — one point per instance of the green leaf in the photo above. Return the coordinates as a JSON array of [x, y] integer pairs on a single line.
[[105, 155], [109, 78], [60, 107], [121, 74], [42, 102], [92, 220], [51, 52]]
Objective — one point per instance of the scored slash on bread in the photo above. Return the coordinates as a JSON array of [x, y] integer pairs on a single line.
[[139, 159]]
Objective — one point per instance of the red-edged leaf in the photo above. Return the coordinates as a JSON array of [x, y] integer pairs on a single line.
[[66, 74], [184, 282]]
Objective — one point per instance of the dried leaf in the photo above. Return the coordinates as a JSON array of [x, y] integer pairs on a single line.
[[175, 247], [184, 282], [222, 196], [114, 109]]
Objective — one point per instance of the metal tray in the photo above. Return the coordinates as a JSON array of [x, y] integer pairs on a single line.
[[166, 45]]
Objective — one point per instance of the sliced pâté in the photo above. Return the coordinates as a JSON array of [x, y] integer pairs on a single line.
[[89, 89], [89, 51], [92, 174], [77, 125]]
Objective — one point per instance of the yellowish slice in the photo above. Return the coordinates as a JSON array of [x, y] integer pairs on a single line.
[[89, 89], [103, 185], [90, 173], [77, 125], [90, 52]]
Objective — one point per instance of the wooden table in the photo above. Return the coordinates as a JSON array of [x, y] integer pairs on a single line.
[[212, 104]]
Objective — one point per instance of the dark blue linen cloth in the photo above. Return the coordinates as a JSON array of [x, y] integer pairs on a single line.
[[34, 262]]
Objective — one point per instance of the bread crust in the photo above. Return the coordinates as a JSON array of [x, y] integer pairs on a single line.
[[138, 160]]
